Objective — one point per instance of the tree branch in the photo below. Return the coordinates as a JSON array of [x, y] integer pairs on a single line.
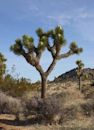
[[55, 54], [69, 53], [51, 67], [38, 53], [51, 50], [34, 62]]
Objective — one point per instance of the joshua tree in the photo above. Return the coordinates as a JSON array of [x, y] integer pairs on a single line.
[[79, 70], [53, 41], [2, 65]]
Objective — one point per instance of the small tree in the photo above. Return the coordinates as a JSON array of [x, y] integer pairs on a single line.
[[52, 40], [79, 70], [2, 65]]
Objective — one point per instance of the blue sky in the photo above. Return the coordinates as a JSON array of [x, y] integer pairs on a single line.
[[18, 17]]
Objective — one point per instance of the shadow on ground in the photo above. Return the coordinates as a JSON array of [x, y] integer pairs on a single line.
[[20, 122]]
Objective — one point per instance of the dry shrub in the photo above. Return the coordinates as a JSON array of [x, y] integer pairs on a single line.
[[92, 83], [16, 86], [30, 106], [50, 109], [10, 105], [46, 111], [88, 91], [88, 108], [68, 113]]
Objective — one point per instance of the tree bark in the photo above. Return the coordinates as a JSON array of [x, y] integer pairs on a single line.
[[79, 83], [43, 86]]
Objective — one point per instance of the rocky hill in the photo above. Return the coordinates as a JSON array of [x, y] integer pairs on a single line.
[[71, 75]]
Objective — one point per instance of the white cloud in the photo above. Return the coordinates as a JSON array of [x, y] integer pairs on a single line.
[[33, 8], [83, 14], [78, 18], [60, 19], [71, 16]]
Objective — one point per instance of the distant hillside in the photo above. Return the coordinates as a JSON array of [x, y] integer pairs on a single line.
[[72, 75]]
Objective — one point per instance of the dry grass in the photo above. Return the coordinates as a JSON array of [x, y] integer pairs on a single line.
[[73, 114]]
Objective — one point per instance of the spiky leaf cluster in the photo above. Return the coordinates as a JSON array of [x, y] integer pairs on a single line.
[[43, 42], [80, 67], [51, 40], [74, 48], [26, 43], [17, 47], [80, 64], [58, 35], [39, 32]]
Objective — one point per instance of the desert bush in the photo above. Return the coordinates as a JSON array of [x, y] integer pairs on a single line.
[[30, 105], [16, 87], [88, 108], [10, 105], [50, 109], [46, 111], [68, 113], [88, 91], [92, 83]]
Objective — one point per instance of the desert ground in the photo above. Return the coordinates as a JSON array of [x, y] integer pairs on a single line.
[[78, 109]]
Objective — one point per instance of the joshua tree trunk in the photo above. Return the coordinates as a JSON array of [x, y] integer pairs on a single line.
[[79, 83], [43, 86]]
